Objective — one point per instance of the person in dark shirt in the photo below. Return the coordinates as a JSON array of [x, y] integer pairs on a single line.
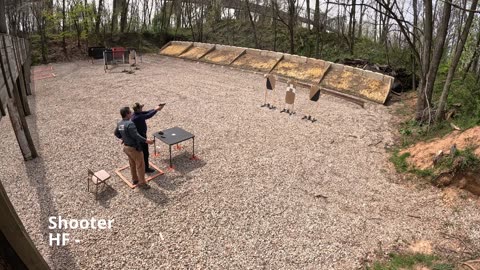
[[139, 118], [132, 141]]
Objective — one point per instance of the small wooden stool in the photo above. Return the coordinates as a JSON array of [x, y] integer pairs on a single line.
[[97, 178]]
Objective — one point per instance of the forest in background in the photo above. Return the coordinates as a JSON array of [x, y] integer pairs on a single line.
[[438, 41]]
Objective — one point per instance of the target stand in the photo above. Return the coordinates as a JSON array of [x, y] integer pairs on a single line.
[[290, 98], [270, 87], [314, 96], [119, 56]]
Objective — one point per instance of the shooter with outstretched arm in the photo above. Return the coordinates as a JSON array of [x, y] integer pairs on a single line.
[[139, 118]]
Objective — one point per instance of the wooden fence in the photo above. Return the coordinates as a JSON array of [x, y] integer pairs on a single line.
[[15, 86]]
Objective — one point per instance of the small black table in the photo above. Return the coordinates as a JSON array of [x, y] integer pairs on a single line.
[[173, 136]]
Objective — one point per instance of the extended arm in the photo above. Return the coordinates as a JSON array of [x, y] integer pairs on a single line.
[[148, 114]]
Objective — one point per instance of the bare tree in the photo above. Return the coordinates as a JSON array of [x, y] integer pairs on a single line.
[[455, 60], [99, 16], [252, 23]]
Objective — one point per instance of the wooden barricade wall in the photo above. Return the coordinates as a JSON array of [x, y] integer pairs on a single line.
[[14, 89]]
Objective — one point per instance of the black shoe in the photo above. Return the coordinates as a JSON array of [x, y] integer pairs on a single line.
[[135, 182], [149, 170], [144, 186]]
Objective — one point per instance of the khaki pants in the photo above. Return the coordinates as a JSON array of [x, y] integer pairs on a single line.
[[137, 165]]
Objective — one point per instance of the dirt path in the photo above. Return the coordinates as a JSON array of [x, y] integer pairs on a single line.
[[269, 191]]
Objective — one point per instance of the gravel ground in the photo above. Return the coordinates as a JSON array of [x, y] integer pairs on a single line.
[[270, 191]]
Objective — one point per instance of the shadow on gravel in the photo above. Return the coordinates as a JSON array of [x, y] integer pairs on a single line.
[[183, 166], [155, 195], [183, 163], [61, 256], [106, 195], [172, 182]]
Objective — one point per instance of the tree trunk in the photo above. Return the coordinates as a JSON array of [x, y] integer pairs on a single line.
[[274, 16], [427, 45], [3, 19], [291, 24], [351, 28], [323, 26], [316, 27], [474, 58], [456, 58], [360, 25], [425, 98], [414, 41], [114, 15], [308, 15], [64, 43], [252, 23], [99, 16], [123, 15]]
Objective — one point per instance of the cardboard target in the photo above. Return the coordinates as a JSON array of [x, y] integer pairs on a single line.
[[290, 97], [270, 82], [314, 93]]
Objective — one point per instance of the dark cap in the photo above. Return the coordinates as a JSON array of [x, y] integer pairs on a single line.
[[137, 107]]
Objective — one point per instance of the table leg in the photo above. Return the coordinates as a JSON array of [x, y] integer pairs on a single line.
[[154, 147], [193, 147]]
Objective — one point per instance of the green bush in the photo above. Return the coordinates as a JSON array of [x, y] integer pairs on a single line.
[[400, 161]]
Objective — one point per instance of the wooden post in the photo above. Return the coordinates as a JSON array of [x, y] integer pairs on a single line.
[[17, 115], [3, 21], [16, 235], [27, 67], [11, 226], [20, 81], [15, 118]]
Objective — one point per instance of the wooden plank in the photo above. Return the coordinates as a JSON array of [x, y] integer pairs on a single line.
[[15, 233], [276, 64], [23, 50], [164, 46], [6, 68], [186, 49], [28, 66], [323, 75], [3, 99], [12, 63], [238, 56], [207, 52], [20, 80], [20, 127]]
